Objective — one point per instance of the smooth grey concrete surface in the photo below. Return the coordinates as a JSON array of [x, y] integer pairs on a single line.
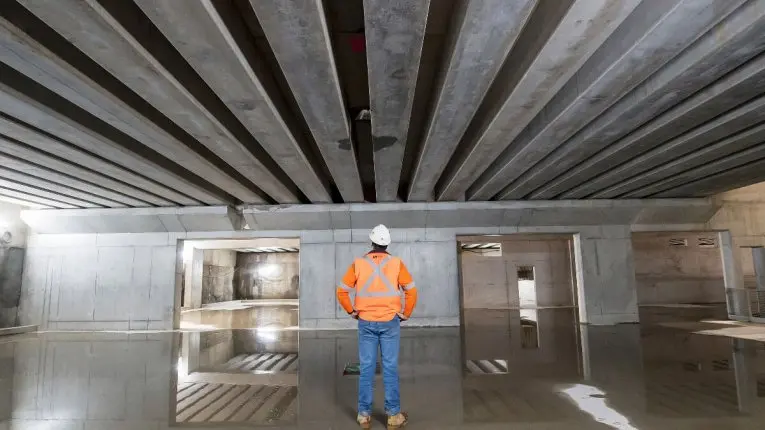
[[394, 31], [733, 276], [297, 31], [298, 101], [670, 273], [58, 124], [234, 71], [747, 143], [622, 377], [144, 71], [139, 220], [697, 139], [506, 216], [695, 110], [100, 284], [433, 264], [494, 25], [758, 257], [658, 30], [605, 274], [708, 59], [30, 58], [584, 26], [114, 181]]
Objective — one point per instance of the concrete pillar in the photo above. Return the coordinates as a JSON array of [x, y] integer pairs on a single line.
[[193, 283], [758, 257], [605, 274], [735, 296]]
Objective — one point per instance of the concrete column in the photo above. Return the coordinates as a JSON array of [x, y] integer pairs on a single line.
[[734, 280], [758, 257], [605, 274], [194, 273]]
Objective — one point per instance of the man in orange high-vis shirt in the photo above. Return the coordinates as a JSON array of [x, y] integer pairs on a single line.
[[384, 296]]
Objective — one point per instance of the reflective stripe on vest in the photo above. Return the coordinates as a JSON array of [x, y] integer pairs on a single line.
[[378, 274]]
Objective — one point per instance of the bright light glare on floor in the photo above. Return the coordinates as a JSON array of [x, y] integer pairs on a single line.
[[592, 401]]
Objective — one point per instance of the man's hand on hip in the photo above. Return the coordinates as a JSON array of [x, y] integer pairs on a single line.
[[354, 315], [402, 317]]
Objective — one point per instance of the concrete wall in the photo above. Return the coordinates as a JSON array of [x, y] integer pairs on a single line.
[[677, 274], [218, 275], [112, 281], [605, 276], [12, 254], [742, 212], [267, 276], [326, 255], [491, 282]]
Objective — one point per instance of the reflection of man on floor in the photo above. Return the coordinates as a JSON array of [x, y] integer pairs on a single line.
[[378, 280]]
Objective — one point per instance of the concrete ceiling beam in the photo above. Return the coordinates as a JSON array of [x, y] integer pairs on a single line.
[[725, 47], [87, 196], [748, 174], [720, 157], [56, 204], [221, 52], [298, 34], [582, 29], [135, 220], [738, 119], [708, 155], [43, 150], [30, 58], [657, 30], [98, 33], [27, 188], [55, 123], [484, 33], [395, 31], [19, 165], [704, 105]]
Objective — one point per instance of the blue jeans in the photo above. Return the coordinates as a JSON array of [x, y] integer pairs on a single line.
[[386, 335]]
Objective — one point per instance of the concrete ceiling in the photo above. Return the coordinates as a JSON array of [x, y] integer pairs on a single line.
[[120, 103]]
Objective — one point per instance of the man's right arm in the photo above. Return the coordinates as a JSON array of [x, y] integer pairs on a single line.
[[347, 285]]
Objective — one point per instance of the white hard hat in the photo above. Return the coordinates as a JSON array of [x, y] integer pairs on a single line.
[[380, 235]]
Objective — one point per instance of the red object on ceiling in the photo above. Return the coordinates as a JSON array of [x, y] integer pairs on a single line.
[[358, 43]]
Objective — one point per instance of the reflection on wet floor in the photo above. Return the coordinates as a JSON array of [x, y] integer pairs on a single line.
[[238, 376], [483, 375], [242, 315]]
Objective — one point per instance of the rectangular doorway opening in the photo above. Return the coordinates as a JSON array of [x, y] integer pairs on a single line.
[[240, 284], [237, 359], [518, 302]]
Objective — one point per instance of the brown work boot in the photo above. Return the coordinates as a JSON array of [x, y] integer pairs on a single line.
[[397, 421], [365, 421]]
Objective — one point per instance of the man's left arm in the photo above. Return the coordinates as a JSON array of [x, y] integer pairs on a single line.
[[410, 291], [347, 285]]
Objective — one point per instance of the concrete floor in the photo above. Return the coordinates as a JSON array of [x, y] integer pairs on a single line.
[[482, 376]]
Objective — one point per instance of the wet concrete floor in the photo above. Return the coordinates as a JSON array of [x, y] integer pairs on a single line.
[[498, 371]]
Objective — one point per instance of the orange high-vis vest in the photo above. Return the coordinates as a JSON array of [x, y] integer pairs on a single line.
[[380, 281]]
